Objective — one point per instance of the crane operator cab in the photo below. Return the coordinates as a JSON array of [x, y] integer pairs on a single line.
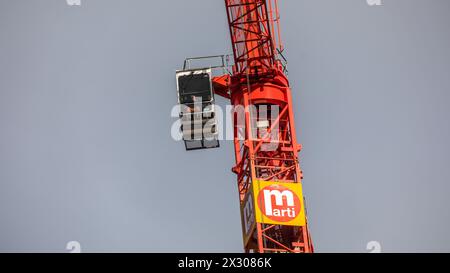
[[197, 109]]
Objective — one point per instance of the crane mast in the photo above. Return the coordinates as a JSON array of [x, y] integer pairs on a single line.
[[269, 177]]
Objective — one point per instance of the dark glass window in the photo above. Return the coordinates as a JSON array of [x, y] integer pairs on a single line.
[[194, 85]]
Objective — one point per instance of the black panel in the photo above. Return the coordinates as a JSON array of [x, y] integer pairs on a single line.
[[201, 144], [194, 85]]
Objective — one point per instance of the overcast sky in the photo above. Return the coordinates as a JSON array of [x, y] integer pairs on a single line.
[[85, 147]]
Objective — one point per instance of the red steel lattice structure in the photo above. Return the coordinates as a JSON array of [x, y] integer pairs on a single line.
[[258, 79]]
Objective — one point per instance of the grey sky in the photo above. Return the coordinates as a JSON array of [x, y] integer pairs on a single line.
[[85, 146]]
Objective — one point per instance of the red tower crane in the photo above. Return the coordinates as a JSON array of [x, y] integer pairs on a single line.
[[267, 166]]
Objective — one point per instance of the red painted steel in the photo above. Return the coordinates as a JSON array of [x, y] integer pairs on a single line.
[[258, 80]]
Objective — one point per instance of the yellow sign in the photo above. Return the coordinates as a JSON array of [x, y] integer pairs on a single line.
[[279, 203]]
